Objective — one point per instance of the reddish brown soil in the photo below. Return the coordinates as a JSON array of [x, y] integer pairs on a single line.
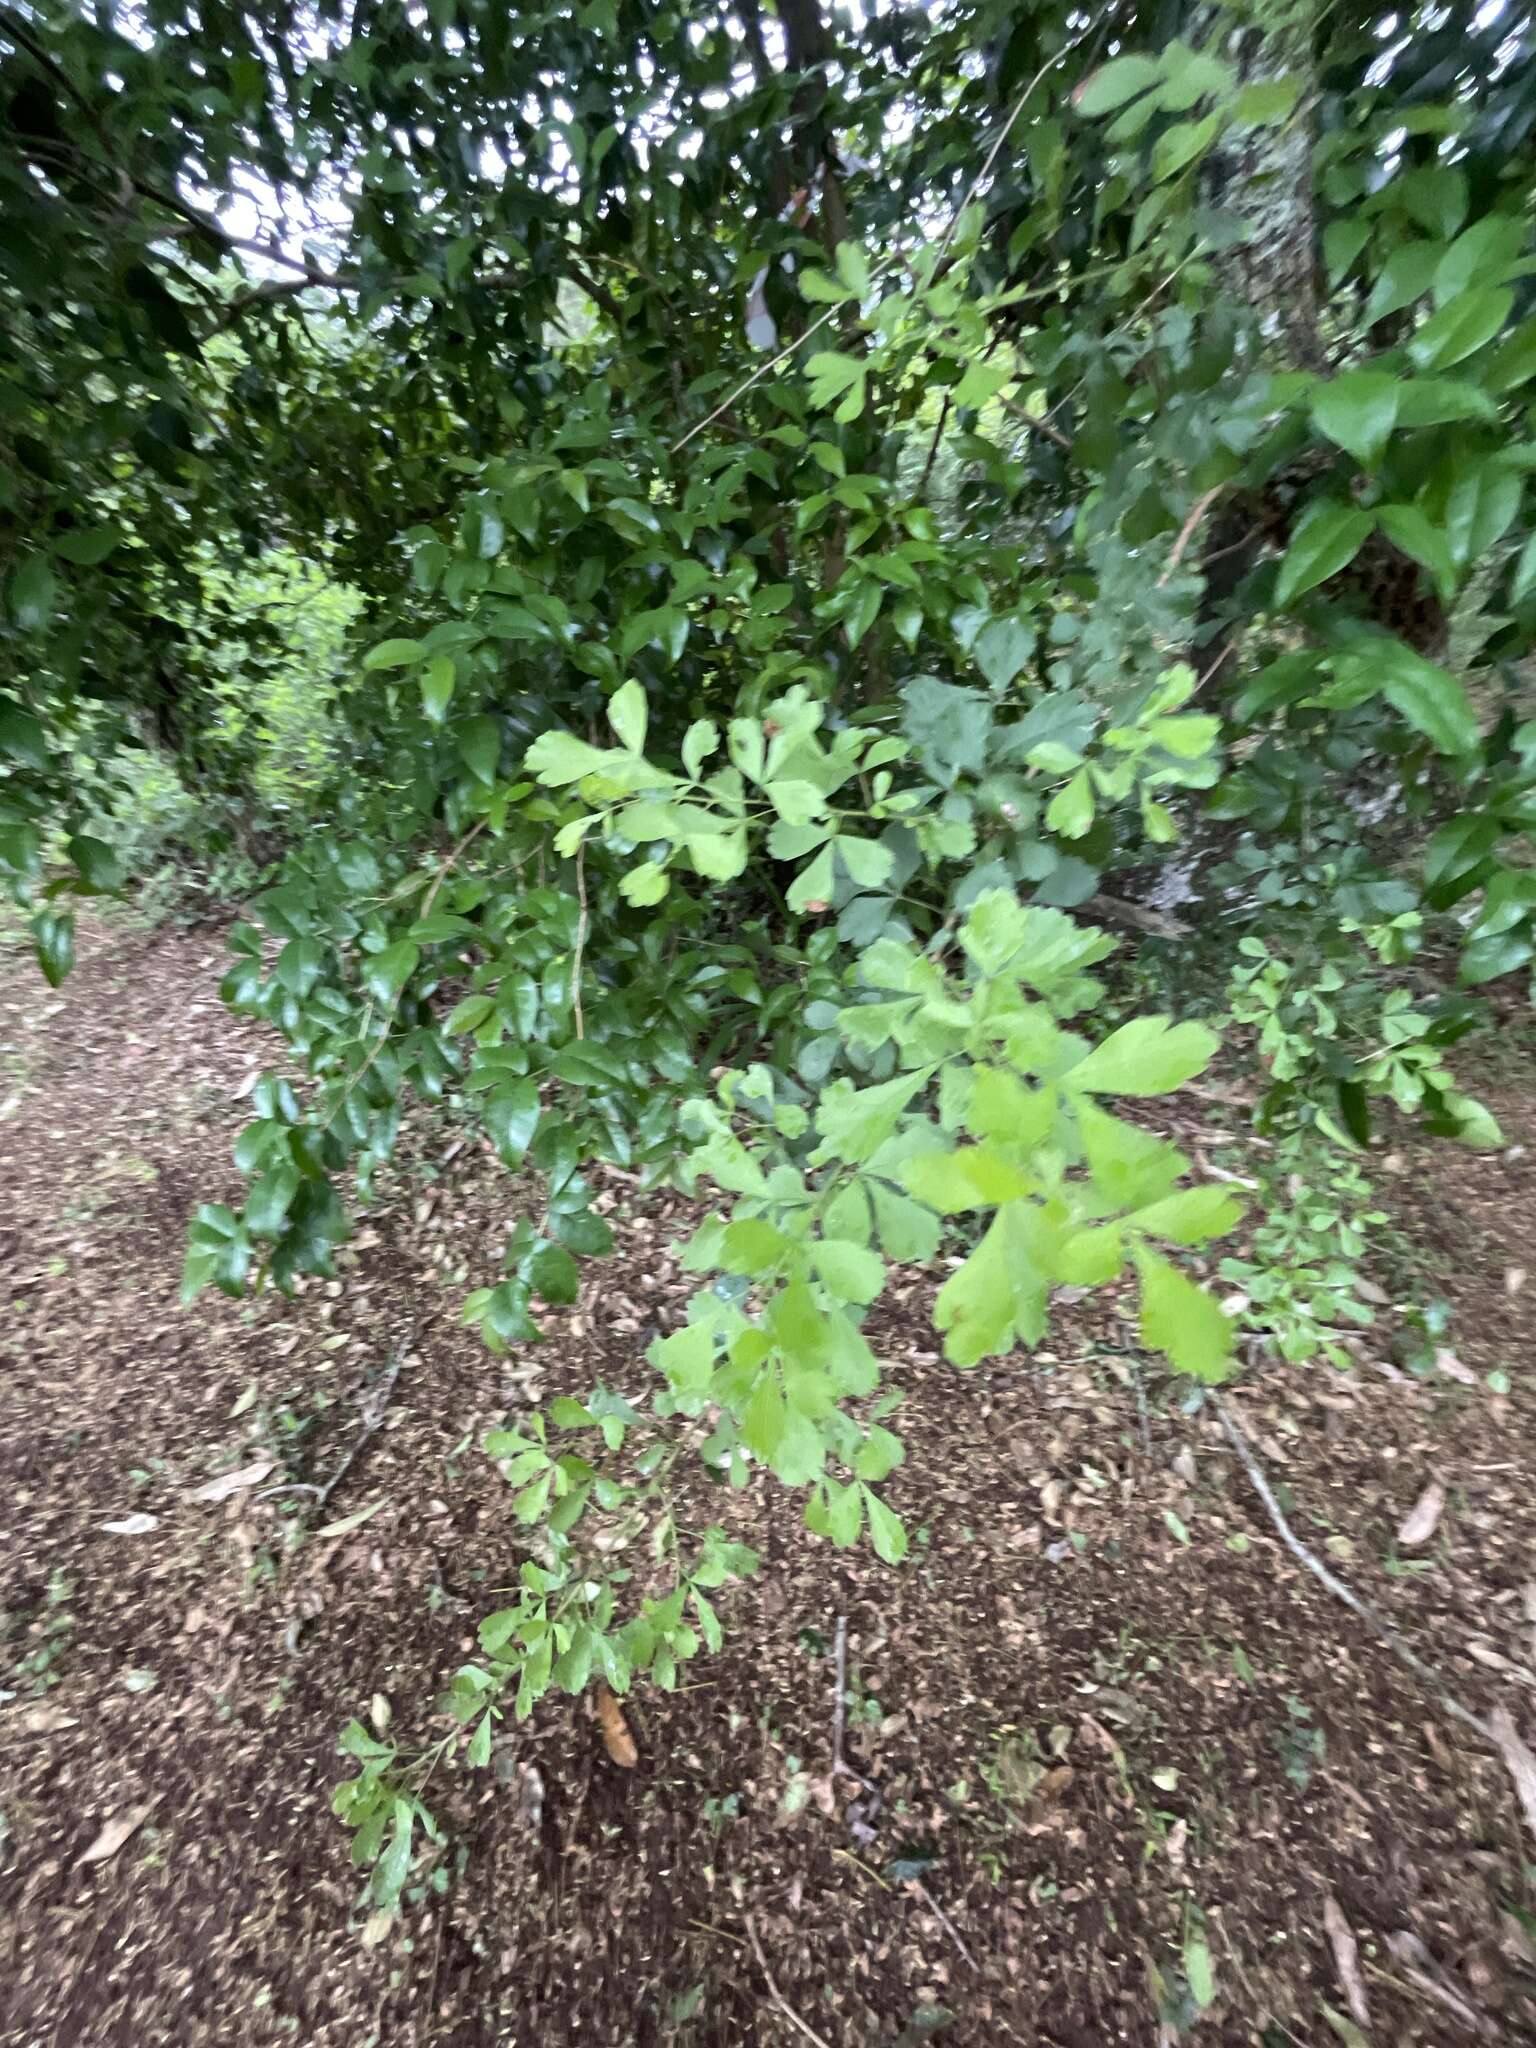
[[1091, 1736]]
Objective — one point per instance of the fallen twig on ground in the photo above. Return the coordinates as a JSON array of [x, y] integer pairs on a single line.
[[943, 1919], [1346, 1961], [774, 1992], [375, 1408], [839, 1682], [1417, 1965], [1499, 1733]]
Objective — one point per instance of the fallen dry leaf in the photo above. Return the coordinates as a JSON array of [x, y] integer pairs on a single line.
[[47, 1720], [1054, 1784], [1438, 1748], [1423, 1518], [1093, 1734], [1418, 1965], [1482, 1650], [1346, 1959], [530, 1796], [1518, 1761], [350, 1522], [617, 1740], [116, 1830], [1447, 1362], [234, 1482]]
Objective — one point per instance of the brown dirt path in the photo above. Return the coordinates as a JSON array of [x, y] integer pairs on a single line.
[[1104, 1710]]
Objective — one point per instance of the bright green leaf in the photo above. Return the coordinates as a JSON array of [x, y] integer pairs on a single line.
[[1268, 100], [1411, 530], [1182, 143], [699, 742], [1116, 82], [851, 1272], [1070, 811], [1428, 696], [437, 682], [386, 973], [1182, 1321], [1358, 410], [393, 654], [885, 1528], [1327, 538], [1148, 1056], [1197, 1968], [628, 714], [1460, 328], [480, 746], [1001, 649]]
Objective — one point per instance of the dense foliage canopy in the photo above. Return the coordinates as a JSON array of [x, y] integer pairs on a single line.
[[833, 506]]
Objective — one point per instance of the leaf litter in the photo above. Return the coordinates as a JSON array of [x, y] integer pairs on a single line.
[[1199, 1657]]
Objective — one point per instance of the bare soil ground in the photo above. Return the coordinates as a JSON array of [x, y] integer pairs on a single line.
[[1107, 1714]]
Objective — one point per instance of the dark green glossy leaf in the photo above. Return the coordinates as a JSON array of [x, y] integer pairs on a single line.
[[1327, 538]]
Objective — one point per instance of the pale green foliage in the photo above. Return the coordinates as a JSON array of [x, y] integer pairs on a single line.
[[990, 1112], [1297, 1274], [991, 1115]]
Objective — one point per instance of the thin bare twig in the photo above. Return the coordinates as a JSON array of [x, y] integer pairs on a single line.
[[762, 370], [192, 221], [1197, 512], [1159, 924], [1346, 1960], [1418, 1967], [859, 1864], [581, 937], [840, 1766], [287, 1486], [706, 1927], [251, 245], [943, 1919], [1035, 424], [1415, 1985], [839, 1689], [1007, 129], [1379, 1627], [774, 1992], [374, 1409], [1498, 1732], [933, 445], [19, 35], [784, 354], [1214, 668]]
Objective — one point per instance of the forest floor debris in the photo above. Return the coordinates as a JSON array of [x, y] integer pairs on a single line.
[[1132, 1762]]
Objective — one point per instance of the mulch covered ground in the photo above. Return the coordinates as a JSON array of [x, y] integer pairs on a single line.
[[1114, 1730]]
